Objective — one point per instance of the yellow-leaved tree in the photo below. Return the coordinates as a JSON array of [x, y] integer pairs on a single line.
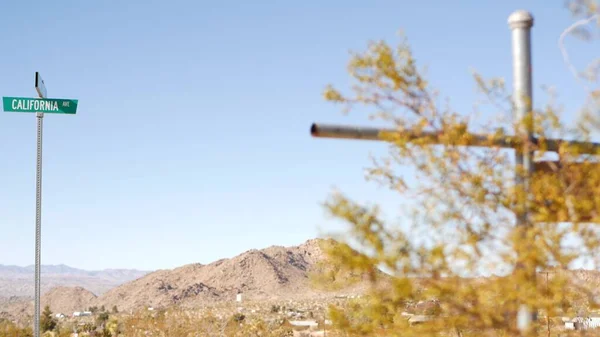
[[464, 206]]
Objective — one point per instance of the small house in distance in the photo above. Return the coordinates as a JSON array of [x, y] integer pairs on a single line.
[[82, 314], [582, 323]]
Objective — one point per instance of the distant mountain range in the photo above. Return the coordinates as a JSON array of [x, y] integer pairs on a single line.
[[16, 281], [272, 273]]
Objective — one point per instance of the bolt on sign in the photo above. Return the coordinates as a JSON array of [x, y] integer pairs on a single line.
[[566, 192]]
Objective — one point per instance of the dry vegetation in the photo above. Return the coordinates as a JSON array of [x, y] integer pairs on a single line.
[[464, 204], [262, 318]]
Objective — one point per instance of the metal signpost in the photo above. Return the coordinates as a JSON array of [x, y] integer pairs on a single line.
[[40, 106], [520, 23], [41, 89]]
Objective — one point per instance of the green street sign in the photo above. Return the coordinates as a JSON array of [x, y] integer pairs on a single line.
[[46, 105]]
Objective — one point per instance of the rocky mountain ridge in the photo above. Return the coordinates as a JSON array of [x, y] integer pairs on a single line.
[[271, 273], [275, 272]]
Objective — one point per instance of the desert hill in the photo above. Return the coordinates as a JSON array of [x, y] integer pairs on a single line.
[[64, 300], [272, 273], [275, 272], [68, 299]]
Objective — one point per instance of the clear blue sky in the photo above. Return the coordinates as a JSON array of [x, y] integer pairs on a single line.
[[191, 141]]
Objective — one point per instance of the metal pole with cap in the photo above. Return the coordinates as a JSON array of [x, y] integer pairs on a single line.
[[520, 23]]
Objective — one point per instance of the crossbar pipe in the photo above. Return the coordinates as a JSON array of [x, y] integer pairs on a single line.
[[477, 140]]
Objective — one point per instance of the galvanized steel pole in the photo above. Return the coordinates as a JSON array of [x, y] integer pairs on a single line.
[[41, 89], [520, 23], [38, 222]]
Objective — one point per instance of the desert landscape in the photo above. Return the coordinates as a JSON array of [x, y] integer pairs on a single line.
[[274, 280], [271, 287], [460, 198]]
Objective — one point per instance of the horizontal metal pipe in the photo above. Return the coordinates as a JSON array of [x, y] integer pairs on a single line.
[[376, 134], [554, 145], [346, 132]]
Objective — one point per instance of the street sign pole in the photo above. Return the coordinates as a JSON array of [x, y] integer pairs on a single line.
[[41, 89], [38, 220], [40, 105]]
